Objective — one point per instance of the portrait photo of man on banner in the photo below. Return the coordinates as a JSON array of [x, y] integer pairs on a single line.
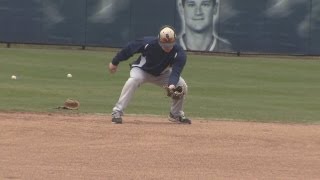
[[199, 20]]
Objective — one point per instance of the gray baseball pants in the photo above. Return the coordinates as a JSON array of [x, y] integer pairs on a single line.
[[139, 77]]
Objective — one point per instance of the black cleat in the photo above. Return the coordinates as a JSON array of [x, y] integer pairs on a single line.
[[179, 119], [116, 117]]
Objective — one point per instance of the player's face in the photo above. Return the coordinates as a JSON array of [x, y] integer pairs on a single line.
[[198, 14], [167, 49]]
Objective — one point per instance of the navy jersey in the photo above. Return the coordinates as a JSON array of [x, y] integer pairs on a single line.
[[153, 59]]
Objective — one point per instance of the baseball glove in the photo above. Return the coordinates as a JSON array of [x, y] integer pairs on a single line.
[[175, 93], [70, 104]]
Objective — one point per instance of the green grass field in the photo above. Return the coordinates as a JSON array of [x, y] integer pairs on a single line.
[[266, 89]]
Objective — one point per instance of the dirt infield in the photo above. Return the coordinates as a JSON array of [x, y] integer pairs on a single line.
[[57, 146]]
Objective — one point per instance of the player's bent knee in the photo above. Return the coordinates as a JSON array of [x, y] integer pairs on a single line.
[[185, 88], [135, 81]]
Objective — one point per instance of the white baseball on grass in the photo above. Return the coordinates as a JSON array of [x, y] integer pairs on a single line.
[[69, 75], [13, 77]]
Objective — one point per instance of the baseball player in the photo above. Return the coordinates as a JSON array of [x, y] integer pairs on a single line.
[[161, 62]]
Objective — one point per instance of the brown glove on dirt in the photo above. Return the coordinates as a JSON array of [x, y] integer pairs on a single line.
[[70, 104]]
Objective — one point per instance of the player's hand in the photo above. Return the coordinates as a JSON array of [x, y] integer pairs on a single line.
[[112, 68], [171, 86], [175, 92]]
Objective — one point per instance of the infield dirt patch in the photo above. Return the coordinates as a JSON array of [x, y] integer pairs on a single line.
[[59, 146]]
